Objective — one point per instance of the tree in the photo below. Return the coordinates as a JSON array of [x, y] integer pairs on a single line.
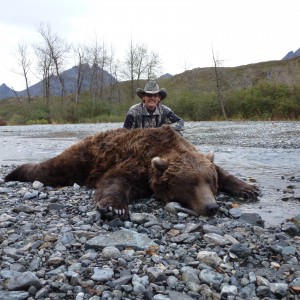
[[97, 58], [139, 64], [219, 91], [154, 65], [81, 66], [24, 63], [44, 67], [57, 49], [113, 69]]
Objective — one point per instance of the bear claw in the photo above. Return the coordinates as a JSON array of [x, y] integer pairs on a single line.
[[110, 213], [253, 193]]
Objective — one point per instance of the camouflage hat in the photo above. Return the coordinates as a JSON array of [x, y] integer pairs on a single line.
[[152, 88]]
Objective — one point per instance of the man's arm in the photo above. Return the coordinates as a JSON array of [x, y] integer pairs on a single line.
[[128, 123], [177, 122]]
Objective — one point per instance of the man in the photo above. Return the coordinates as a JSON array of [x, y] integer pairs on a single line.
[[151, 113]]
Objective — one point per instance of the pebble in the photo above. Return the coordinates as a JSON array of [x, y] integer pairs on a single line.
[[54, 245]]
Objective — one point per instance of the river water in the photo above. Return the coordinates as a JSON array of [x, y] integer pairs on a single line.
[[267, 152]]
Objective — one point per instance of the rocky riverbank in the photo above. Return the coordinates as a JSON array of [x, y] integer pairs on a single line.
[[54, 245]]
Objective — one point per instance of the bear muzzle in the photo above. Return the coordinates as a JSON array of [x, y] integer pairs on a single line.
[[210, 209]]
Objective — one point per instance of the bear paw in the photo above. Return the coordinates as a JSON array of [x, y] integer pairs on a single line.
[[110, 212], [250, 191]]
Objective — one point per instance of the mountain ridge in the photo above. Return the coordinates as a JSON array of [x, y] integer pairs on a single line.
[[70, 78], [245, 76]]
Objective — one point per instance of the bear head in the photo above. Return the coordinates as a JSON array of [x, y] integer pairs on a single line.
[[188, 179]]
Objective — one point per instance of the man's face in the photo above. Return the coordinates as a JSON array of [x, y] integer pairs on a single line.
[[151, 101]]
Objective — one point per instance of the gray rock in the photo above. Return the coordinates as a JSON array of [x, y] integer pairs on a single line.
[[291, 228], [176, 296], [15, 295], [156, 274], [37, 185], [228, 290], [279, 289], [102, 274], [235, 212], [211, 277], [111, 252], [172, 282], [189, 274], [242, 251], [20, 281], [30, 195], [141, 218], [209, 258], [247, 292], [253, 218], [216, 239], [121, 239]]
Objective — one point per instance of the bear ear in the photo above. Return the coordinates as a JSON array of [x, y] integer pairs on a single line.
[[159, 164], [210, 156]]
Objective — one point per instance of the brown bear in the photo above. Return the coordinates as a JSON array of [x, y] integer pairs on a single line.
[[124, 165]]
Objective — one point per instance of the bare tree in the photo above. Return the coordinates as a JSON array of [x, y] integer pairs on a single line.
[[113, 70], [45, 68], [219, 91], [139, 64], [103, 63], [81, 66], [24, 63], [129, 69], [57, 49], [97, 58], [154, 65], [16, 94]]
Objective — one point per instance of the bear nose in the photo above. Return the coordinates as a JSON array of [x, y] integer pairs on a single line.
[[211, 209]]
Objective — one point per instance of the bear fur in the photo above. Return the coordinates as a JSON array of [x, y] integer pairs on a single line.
[[123, 165]]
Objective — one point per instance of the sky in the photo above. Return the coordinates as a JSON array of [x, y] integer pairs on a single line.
[[184, 33]]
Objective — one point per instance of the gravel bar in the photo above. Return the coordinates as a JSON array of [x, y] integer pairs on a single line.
[[55, 245]]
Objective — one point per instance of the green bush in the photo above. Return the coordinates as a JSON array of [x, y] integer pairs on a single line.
[[264, 101], [36, 122], [195, 107]]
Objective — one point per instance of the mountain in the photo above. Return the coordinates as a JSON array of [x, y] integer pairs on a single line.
[[70, 78], [6, 92], [165, 76], [292, 54]]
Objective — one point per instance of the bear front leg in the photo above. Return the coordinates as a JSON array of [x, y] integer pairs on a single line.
[[111, 197], [232, 185]]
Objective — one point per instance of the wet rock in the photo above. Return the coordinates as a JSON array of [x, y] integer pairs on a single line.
[[235, 212], [252, 218], [291, 228]]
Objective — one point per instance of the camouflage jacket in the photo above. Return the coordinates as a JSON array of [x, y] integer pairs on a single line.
[[139, 117]]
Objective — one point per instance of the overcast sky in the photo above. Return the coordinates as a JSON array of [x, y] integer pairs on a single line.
[[182, 32]]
